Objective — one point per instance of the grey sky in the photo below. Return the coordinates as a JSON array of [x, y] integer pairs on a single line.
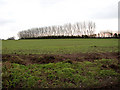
[[17, 15]]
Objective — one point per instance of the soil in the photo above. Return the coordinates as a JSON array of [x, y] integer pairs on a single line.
[[44, 59]]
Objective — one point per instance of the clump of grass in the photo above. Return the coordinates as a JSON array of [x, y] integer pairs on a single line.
[[18, 60], [108, 73], [107, 62], [68, 61], [46, 59]]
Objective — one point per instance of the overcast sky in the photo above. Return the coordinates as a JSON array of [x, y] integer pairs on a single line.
[[17, 15]]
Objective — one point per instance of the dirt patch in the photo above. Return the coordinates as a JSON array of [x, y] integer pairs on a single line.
[[31, 59], [91, 56], [43, 59]]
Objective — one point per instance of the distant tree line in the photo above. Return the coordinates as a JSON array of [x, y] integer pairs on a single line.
[[111, 35], [77, 30], [116, 35], [108, 35], [11, 38]]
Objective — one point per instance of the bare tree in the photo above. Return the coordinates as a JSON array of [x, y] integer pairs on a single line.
[[77, 29]]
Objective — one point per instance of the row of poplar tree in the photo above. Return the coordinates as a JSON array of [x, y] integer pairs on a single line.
[[76, 29]]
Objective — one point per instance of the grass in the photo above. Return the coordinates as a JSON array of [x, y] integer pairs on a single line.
[[61, 46], [59, 75], [65, 74]]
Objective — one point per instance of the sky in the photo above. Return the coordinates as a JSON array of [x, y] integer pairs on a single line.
[[18, 15]]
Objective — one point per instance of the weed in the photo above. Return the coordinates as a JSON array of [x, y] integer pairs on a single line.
[[57, 75]]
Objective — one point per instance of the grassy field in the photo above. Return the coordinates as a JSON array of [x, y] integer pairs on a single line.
[[59, 46], [60, 63]]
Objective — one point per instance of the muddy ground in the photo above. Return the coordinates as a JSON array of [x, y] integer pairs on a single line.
[[43, 59]]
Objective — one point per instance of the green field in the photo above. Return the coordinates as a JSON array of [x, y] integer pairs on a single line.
[[59, 46], [60, 63]]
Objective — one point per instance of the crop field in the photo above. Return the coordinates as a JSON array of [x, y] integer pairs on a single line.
[[59, 46], [61, 63]]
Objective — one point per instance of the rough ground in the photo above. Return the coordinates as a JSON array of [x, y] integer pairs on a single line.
[[43, 59]]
